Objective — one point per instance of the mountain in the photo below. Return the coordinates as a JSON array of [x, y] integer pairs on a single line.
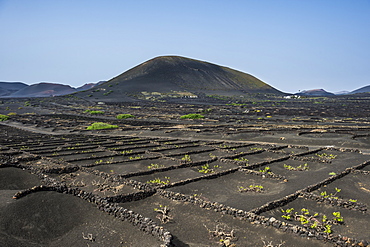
[[365, 89], [86, 86], [177, 76], [89, 86], [44, 89], [322, 92], [315, 92], [342, 93], [7, 88]]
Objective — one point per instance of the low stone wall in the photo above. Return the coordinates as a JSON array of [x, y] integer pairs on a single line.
[[59, 168], [307, 152], [309, 159], [361, 172], [263, 174], [361, 166], [207, 176], [275, 204], [356, 206], [130, 197], [181, 165], [234, 156], [118, 178], [266, 162], [7, 161], [350, 150], [191, 152], [120, 161], [253, 165]]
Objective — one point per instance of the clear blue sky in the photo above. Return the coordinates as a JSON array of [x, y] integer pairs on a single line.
[[291, 45]]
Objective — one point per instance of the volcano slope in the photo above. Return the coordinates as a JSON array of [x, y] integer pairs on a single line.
[[176, 77], [261, 173]]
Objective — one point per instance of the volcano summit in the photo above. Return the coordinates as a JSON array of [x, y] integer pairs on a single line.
[[176, 76]]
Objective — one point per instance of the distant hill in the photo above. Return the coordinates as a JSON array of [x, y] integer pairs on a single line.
[[365, 89], [315, 92], [7, 88], [342, 93], [86, 86], [44, 89], [89, 86], [177, 76]]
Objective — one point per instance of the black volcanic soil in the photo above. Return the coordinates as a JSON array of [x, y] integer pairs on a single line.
[[54, 219], [16, 179], [104, 187]]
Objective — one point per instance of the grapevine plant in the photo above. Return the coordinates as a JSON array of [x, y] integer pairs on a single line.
[[318, 222]]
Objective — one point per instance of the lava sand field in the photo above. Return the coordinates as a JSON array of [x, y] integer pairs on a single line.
[[245, 175]]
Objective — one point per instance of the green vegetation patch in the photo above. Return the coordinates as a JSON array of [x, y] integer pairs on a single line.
[[94, 112], [100, 126], [124, 116], [3, 117], [192, 116], [107, 93], [316, 221]]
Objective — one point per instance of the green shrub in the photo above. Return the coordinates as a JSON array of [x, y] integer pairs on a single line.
[[94, 112], [3, 117], [100, 125], [124, 116], [192, 116], [107, 93]]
